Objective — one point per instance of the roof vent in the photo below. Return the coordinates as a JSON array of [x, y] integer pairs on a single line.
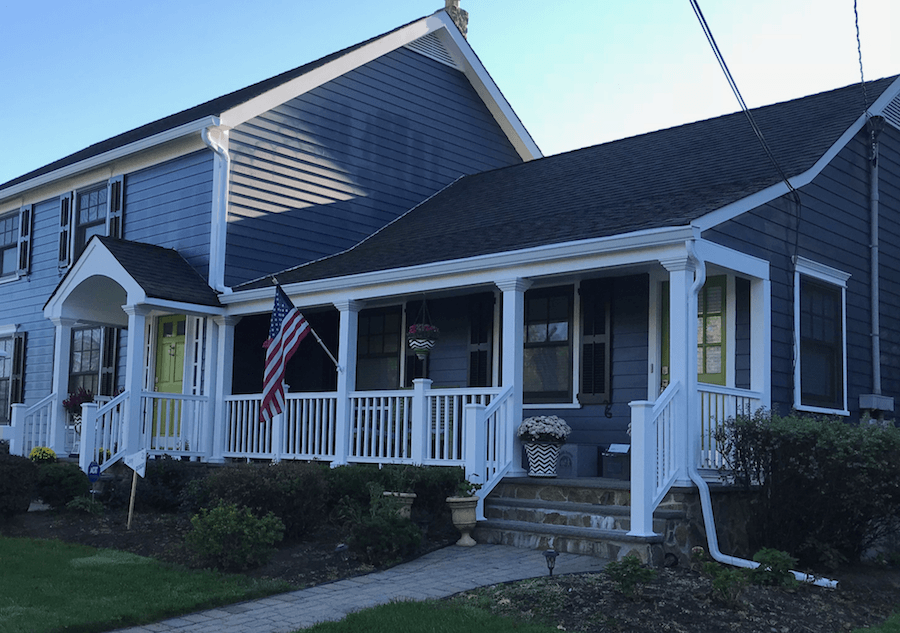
[[892, 112], [432, 47]]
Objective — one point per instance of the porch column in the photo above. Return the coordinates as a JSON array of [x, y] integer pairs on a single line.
[[135, 362], [346, 379], [682, 358], [222, 369], [513, 359], [63, 346]]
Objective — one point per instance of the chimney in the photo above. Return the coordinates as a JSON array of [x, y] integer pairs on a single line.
[[459, 16]]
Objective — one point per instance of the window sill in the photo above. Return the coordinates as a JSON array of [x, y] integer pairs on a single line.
[[10, 278], [551, 405], [808, 409]]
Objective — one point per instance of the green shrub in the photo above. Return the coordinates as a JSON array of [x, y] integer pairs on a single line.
[[163, 483], [827, 489], [232, 538], [774, 568], [294, 491], [60, 482], [728, 583], [378, 534], [629, 574], [86, 505], [18, 476]]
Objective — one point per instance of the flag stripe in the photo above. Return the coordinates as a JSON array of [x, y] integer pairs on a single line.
[[286, 329]]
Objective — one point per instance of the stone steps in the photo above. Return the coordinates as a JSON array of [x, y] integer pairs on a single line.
[[588, 516]]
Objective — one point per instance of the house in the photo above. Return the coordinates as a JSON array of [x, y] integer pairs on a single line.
[[645, 289]]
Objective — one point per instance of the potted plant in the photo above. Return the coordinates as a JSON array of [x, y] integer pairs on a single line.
[[73, 403], [462, 511], [421, 338], [542, 436]]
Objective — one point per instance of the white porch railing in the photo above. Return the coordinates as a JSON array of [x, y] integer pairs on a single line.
[[31, 426], [489, 443], [654, 458], [173, 423], [718, 404], [102, 432]]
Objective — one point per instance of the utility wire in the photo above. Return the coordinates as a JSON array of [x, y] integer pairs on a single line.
[[737, 93], [862, 80]]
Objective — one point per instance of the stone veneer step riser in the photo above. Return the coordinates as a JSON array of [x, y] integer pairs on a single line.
[[600, 520]]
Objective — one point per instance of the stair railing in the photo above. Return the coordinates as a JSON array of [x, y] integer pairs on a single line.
[[488, 438]]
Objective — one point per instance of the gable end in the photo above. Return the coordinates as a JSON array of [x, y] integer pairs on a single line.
[[432, 47]]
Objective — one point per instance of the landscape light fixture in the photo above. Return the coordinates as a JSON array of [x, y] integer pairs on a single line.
[[551, 555]]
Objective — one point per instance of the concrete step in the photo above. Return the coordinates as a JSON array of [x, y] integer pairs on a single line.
[[583, 515]]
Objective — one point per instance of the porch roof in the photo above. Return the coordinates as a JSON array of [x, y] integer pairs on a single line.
[[662, 179], [162, 273]]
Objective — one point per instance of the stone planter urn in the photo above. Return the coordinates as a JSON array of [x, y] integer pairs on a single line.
[[462, 510], [405, 499]]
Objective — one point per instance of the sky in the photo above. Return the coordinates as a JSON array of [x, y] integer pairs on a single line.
[[577, 72]]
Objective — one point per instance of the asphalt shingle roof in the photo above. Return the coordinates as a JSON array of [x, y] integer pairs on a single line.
[[656, 180], [162, 272]]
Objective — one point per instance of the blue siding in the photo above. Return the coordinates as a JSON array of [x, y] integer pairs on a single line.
[[316, 175], [170, 205], [833, 230]]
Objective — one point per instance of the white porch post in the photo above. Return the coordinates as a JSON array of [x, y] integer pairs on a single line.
[[346, 382], [682, 358], [63, 346], [17, 430], [134, 376], [513, 359], [222, 367]]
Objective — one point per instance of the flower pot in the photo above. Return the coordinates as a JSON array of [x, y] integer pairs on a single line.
[[405, 499], [421, 346], [543, 458], [462, 511]]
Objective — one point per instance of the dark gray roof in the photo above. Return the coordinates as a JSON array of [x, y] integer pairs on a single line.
[[214, 107], [162, 272], [661, 179]]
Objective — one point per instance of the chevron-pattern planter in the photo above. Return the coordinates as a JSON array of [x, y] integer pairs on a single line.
[[542, 458]]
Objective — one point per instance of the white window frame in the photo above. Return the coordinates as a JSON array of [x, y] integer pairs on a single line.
[[837, 278], [22, 245], [112, 222]]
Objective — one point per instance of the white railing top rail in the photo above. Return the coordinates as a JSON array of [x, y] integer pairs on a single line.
[[162, 395], [665, 398], [498, 401], [40, 403], [729, 391], [296, 395], [112, 404]]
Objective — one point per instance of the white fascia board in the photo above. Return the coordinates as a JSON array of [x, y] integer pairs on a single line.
[[170, 307], [487, 89], [542, 261], [733, 260], [779, 189], [112, 155]]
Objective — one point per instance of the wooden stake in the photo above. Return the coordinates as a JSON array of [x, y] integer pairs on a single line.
[[131, 502]]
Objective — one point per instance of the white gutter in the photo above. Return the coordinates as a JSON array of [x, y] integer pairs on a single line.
[[712, 539], [219, 211], [106, 157]]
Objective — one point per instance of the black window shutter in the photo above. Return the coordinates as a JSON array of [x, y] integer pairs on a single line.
[[17, 375], [481, 326], [25, 215], [108, 358], [595, 342], [65, 223], [116, 199]]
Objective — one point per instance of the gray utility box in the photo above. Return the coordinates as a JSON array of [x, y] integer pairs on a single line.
[[617, 462]]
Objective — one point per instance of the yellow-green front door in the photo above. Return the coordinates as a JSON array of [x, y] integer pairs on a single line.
[[170, 338]]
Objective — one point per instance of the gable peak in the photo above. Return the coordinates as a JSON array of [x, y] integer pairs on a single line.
[[459, 16]]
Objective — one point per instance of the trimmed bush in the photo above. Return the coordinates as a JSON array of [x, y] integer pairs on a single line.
[[827, 489], [231, 538], [378, 534], [18, 476], [163, 484], [60, 482]]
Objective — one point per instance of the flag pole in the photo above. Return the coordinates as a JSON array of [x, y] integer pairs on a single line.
[[318, 338]]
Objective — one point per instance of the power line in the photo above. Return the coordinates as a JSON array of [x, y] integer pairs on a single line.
[[862, 80]]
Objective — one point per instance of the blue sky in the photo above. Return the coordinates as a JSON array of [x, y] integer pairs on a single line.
[[577, 72]]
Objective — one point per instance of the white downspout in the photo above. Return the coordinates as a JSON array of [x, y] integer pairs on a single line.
[[219, 214], [712, 539]]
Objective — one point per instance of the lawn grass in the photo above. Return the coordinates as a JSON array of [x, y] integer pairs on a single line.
[[49, 585], [428, 617], [891, 625]]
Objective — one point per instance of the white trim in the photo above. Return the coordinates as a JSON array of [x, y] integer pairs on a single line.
[[779, 189], [837, 278], [8, 330], [114, 154]]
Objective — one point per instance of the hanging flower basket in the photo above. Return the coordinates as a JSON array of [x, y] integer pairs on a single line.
[[421, 338]]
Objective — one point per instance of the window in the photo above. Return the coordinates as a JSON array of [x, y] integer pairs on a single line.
[[92, 361], [87, 212], [820, 374], [378, 349], [595, 342], [481, 328], [711, 331], [15, 243], [548, 345], [12, 370]]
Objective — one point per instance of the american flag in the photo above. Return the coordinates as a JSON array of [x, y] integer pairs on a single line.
[[286, 329]]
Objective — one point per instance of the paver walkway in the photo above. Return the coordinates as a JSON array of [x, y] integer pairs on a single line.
[[436, 575]]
